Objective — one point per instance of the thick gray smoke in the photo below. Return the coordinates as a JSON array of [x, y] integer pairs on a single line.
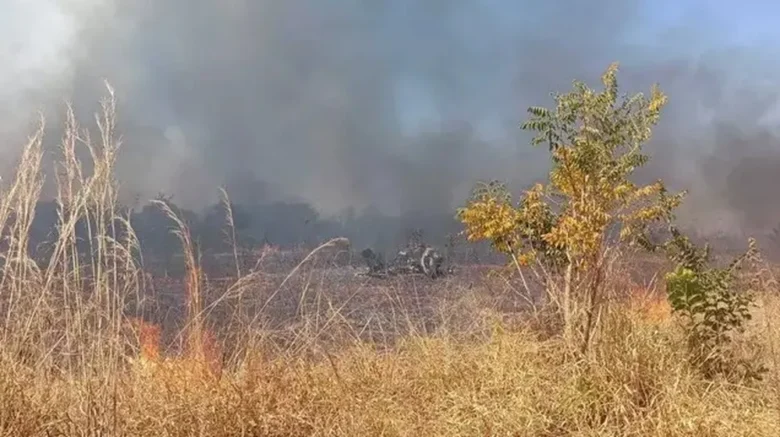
[[399, 104]]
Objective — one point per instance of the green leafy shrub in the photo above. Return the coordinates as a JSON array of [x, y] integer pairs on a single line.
[[710, 305]]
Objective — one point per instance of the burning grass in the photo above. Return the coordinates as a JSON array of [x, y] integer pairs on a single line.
[[501, 382], [90, 346]]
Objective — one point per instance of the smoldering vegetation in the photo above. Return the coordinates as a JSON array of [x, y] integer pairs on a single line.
[[334, 128]]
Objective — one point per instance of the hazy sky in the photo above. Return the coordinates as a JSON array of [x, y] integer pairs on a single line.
[[401, 104]]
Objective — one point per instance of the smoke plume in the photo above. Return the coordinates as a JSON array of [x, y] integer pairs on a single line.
[[399, 105]]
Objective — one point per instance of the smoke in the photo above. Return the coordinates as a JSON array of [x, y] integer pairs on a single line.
[[398, 105], [35, 44]]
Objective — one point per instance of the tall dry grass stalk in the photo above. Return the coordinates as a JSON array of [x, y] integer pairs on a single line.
[[193, 282], [65, 310], [230, 228]]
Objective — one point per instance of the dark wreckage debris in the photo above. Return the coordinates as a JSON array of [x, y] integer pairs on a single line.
[[419, 259]]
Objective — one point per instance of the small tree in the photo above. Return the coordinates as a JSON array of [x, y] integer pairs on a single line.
[[595, 141]]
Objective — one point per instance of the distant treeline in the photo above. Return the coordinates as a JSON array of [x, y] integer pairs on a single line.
[[287, 225], [280, 224]]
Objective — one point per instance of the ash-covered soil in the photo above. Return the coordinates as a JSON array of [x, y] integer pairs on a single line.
[[279, 293], [277, 301]]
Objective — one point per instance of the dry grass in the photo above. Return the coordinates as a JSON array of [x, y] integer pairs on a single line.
[[313, 353]]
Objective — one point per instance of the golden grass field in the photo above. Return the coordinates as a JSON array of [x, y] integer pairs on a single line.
[[463, 356]]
